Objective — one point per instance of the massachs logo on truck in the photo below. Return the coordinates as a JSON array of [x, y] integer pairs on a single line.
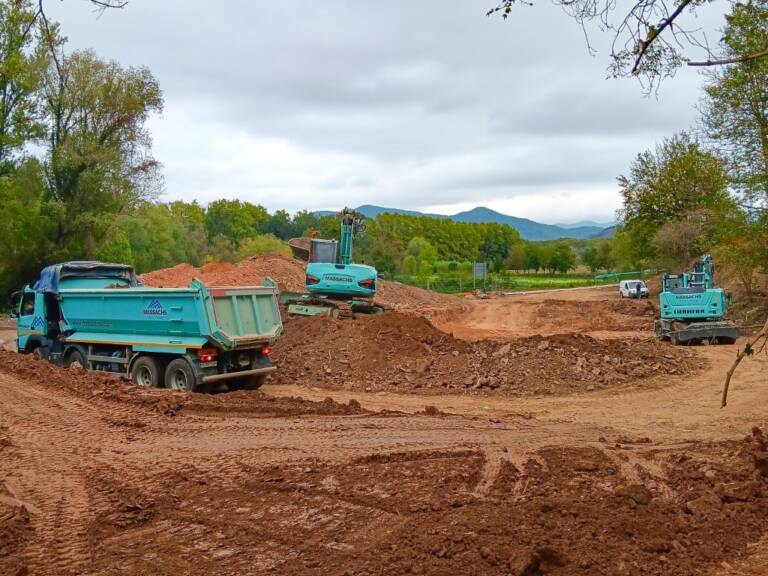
[[154, 308]]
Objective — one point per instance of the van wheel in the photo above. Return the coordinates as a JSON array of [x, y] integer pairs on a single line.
[[179, 376], [75, 356], [146, 372]]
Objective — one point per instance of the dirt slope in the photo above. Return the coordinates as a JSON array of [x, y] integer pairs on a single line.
[[289, 274]]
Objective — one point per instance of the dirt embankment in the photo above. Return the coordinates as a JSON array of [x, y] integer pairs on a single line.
[[103, 387], [289, 275], [399, 352], [597, 312]]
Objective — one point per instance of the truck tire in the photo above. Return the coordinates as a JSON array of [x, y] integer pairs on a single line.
[[40, 353], [179, 376], [254, 382], [146, 372], [74, 356]]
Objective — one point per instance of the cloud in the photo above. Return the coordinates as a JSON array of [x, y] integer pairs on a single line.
[[409, 104]]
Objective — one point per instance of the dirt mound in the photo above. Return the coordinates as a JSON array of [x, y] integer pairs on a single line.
[[404, 353], [289, 275], [15, 531], [621, 315], [103, 387]]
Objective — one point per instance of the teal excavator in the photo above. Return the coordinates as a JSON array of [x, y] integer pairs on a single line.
[[692, 309], [335, 286]]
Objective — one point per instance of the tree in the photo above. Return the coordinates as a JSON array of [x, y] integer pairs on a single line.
[[24, 228], [517, 259], [535, 257], [23, 59], [678, 242], [561, 258], [649, 39], [421, 250], [234, 220], [99, 160], [590, 258], [669, 184], [735, 110], [262, 244]]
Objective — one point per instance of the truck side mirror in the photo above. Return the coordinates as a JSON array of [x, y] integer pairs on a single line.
[[15, 300]]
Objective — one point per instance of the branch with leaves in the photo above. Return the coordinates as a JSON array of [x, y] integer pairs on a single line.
[[650, 41]]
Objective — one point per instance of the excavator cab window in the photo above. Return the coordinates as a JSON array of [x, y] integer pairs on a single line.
[[323, 251]]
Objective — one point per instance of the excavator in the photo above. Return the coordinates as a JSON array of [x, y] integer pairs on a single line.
[[692, 309], [335, 286]]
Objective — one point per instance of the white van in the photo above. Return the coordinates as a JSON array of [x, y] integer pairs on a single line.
[[633, 289]]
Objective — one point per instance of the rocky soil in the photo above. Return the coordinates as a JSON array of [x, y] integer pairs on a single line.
[[399, 352]]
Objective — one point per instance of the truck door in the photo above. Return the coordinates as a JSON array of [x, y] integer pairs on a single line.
[[31, 321]]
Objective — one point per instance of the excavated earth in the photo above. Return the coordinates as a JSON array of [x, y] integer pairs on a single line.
[[289, 275], [404, 353], [603, 476]]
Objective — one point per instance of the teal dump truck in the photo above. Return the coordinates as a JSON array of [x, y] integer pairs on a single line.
[[101, 316]]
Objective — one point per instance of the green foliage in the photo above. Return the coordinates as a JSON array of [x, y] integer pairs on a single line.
[[23, 59], [735, 109], [672, 183], [25, 230], [234, 220], [262, 244], [98, 161]]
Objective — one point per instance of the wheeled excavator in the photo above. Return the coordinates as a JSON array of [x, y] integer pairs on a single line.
[[335, 286]]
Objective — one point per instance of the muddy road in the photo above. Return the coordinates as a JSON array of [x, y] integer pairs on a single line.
[[99, 477]]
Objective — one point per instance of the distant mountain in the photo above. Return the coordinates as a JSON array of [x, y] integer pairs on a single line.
[[608, 232], [587, 223], [528, 229]]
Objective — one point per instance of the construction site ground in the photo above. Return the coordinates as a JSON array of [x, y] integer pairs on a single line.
[[632, 470]]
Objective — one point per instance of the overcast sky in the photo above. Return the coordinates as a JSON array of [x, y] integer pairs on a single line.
[[422, 104]]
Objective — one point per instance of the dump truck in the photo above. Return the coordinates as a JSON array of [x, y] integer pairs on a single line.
[[692, 309], [100, 316]]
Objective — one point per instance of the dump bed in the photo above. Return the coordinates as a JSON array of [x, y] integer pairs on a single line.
[[160, 319]]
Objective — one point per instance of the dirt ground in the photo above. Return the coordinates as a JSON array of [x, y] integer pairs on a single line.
[[650, 477]]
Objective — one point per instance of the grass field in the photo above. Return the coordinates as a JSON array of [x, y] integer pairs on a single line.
[[501, 282]]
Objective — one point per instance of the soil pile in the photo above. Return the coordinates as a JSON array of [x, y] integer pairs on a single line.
[[102, 387], [399, 352], [622, 315], [289, 275]]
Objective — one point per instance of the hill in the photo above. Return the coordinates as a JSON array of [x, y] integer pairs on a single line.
[[528, 229]]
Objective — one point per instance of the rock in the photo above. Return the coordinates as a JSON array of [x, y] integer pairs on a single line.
[[635, 492], [580, 361], [543, 345], [705, 505], [503, 351], [590, 388]]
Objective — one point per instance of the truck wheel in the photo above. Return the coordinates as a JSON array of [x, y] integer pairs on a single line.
[[75, 356], [254, 382], [179, 376], [40, 353], [146, 372]]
